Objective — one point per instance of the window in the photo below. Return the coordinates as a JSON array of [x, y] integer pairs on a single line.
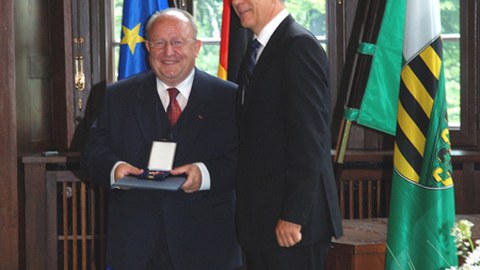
[[117, 31], [461, 31], [208, 14], [450, 23]]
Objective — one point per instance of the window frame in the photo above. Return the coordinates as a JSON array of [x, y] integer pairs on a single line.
[[467, 135]]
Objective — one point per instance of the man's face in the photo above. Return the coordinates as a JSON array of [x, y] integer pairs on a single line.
[[254, 14], [173, 49]]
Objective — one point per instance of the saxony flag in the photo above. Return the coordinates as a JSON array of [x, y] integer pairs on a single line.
[[422, 209]]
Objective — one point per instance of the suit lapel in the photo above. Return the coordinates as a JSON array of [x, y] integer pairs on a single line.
[[146, 106], [275, 43], [194, 115]]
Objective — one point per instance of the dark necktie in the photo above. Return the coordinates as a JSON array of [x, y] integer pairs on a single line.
[[173, 110], [252, 60], [252, 52]]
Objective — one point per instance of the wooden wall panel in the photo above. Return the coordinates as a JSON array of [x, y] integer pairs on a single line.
[[9, 212]]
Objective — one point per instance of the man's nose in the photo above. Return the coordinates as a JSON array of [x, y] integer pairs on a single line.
[[169, 50]]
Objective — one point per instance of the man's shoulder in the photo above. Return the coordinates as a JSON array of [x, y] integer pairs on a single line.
[[290, 35], [133, 81], [214, 81], [296, 30], [128, 88], [299, 39]]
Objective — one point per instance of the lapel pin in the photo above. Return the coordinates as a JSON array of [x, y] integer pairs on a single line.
[[200, 117]]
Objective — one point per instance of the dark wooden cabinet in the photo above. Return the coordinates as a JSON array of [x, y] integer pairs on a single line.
[[361, 247]]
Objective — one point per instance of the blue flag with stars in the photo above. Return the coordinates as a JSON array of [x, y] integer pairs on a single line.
[[132, 50]]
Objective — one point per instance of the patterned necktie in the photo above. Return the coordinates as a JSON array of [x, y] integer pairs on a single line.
[[254, 46], [173, 110]]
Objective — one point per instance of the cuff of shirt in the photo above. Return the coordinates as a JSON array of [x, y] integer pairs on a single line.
[[205, 176], [112, 172]]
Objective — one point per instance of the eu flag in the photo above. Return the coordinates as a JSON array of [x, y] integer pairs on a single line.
[[132, 51]]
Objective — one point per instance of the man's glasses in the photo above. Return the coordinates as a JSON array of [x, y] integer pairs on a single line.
[[174, 43]]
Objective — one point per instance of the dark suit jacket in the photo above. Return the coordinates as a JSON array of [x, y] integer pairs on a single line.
[[285, 167], [199, 227]]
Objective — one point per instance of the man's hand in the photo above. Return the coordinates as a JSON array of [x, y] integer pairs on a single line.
[[288, 234], [194, 177], [125, 169]]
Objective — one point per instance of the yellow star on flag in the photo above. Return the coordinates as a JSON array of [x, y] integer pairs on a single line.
[[131, 37]]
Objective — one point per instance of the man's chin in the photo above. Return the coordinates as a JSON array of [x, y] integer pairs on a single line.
[[172, 79]]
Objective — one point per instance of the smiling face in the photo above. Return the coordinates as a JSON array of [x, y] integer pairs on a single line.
[[172, 47], [255, 14]]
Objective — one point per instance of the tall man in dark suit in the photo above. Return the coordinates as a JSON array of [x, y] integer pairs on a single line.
[[287, 202], [150, 229]]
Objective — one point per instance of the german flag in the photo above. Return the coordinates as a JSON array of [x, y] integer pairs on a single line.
[[233, 43], [224, 41]]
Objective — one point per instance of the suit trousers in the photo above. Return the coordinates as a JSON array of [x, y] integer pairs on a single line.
[[304, 257], [160, 259]]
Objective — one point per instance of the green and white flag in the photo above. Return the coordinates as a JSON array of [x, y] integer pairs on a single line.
[[422, 207], [378, 109]]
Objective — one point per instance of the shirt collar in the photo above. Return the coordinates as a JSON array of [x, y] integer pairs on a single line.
[[185, 87], [267, 32]]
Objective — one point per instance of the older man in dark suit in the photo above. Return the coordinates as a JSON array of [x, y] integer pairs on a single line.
[[287, 204], [151, 229]]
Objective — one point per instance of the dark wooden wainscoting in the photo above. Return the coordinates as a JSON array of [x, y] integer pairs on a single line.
[[65, 214]]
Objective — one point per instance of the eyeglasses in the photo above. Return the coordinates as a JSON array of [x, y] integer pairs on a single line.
[[174, 43]]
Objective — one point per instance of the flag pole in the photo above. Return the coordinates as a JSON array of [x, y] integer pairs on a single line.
[[367, 23]]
